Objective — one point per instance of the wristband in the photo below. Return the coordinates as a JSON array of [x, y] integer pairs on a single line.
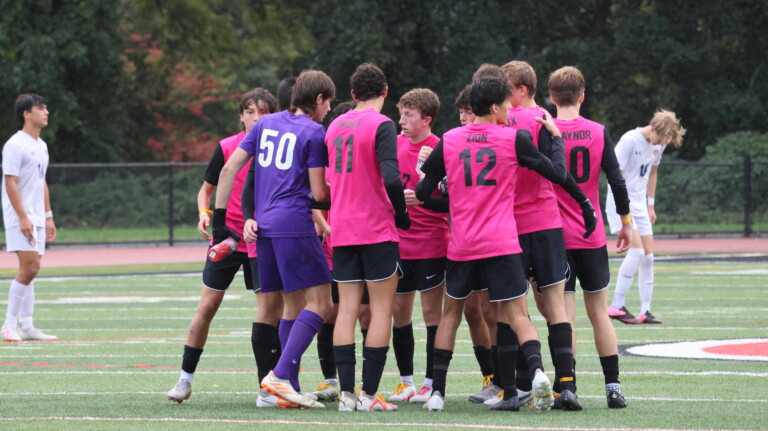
[[49, 214], [651, 201], [626, 219], [209, 212]]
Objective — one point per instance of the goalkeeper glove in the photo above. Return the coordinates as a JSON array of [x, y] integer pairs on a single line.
[[589, 216]]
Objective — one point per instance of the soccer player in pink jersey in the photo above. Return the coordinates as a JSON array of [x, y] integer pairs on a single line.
[[481, 161], [217, 276], [422, 247], [639, 154], [367, 207], [589, 149]]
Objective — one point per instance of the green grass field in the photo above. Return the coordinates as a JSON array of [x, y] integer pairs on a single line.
[[122, 337]]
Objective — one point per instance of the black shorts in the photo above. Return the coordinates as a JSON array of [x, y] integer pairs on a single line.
[[544, 256], [366, 300], [503, 276], [368, 262], [590, 266], [219, 275], [421, 274]]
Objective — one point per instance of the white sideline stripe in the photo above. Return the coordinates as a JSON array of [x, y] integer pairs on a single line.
[[619, 328], [329, 423], [213, 372], [228, 393]]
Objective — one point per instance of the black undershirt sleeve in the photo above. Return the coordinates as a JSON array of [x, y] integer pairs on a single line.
[[249, 207], [553, 168], [434, 170], [214, 166], [386, 152], [610, 165]]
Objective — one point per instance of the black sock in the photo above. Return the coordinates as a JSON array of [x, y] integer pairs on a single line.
[[610, 366], [325, 350], [532, 351], [496, 380], [374, 359], [431, 334], [365, 334], [522, 375], [484, 360], [265, 343], [506, 340], [574, 371], [190, 359], [345, 364], [560, 341], [440, 369], [404, 345]]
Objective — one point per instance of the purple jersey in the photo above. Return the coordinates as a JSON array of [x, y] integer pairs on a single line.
[[285, 146]]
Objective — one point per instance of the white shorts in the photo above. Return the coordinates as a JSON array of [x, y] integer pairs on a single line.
[[640, 222], [16, 241]]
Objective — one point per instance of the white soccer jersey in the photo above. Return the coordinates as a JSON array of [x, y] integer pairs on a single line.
[[26, 158], [636, 156]]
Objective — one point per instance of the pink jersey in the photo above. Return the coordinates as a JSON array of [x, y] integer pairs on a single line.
[[584, 141], [481, 165], [361, 212], [535, 201], [428, 236], [235, 206]]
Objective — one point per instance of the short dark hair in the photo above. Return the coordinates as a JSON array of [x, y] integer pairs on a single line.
[[309, 84], [368, 82], [462, 100], [284, 90], [488, 70], [255, 96], [25, 103], [340, 109], [486, 92]]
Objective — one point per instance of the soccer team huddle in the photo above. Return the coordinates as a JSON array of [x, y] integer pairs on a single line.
[[350, 222]]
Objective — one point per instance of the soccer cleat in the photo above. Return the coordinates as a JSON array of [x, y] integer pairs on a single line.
[[34, 334], [422, 396], [347, 402], [435, 403], [266, 400], [648, 319], [509, 405], [311, 396], [489, 392], [326, 392], [525, 398], [493, 401], [568, 401], [181, 392], [542, 392], [282, 388], [616, 399], [367, 403], [622, 315], [11, 333], [403, 392]]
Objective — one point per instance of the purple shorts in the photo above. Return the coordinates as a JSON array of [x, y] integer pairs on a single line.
[[291, 264]]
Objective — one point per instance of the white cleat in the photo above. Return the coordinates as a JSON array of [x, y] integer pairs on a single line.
[[181, 392], [542, 392], [403, 392], [435, 403], [34, 334], [347, 402], [422, 396], [490, 402], [282, 388], [376, 403], [11, 333]]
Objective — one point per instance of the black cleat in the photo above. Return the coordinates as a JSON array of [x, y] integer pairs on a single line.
[[648, 318], [509, 405], [567, 401], [616, 400]]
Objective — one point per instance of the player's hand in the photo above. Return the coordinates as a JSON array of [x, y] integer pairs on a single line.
[[547, 121], [50, 230], [202, 226], [410, 198], [442, 187], [403, 221], [249, 230], [220, 229], [625, 237], [27, 228], [589, 216], [652, 214], [424, 153]]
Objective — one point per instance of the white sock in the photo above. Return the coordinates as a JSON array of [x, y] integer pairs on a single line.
[[626, 275], [27, 307], [645, 282], [187, 376], [15, 296], [428, 382], [333, 382], [407, 379]]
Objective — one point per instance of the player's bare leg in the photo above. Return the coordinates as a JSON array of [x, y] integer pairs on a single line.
[[606, 344], [481, 343]]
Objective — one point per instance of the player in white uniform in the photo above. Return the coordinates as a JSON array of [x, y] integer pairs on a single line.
[[639, 154], [27, 214]]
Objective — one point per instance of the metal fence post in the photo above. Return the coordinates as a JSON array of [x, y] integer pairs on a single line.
[[747, 195], [170, 204]]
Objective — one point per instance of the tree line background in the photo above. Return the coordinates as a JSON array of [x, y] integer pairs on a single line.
[[159, 80]]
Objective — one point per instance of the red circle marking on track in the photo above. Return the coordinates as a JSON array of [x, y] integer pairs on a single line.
[[748, 349]]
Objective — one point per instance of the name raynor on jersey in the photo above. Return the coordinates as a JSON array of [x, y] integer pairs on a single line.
[[576, 135], [477, 137], [348, 124]]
